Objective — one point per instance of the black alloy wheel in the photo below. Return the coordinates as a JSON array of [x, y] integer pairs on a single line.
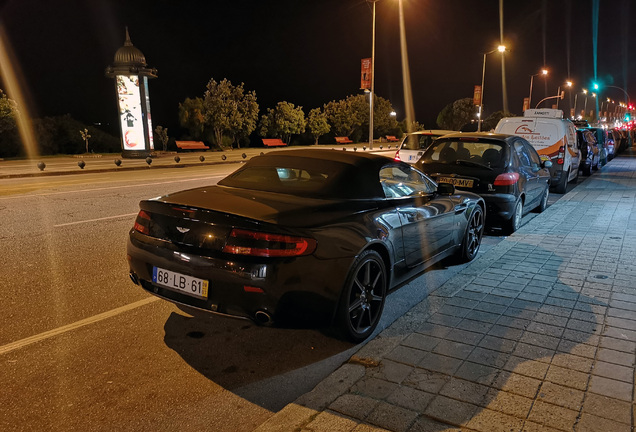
[[363, 297], [472, 239]]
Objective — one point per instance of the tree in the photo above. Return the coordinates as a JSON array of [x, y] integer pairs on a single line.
[[283, 121], [456, 114], [344, 115], [317, 123], [491, 121], [244, 121], [161, 134], [85, 136], [191, 117], [8, 113], [228, 109], [383, 122]]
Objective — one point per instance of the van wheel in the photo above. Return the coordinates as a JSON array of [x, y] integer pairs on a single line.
[[563, 183], [576, 178]]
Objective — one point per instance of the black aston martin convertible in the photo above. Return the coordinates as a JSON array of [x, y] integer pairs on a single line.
[[297, 233]]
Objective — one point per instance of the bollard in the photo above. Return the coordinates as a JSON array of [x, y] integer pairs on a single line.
[[81, 164], [41, 166], [118, 162], [177, 159], [148, 161], [201, 158]]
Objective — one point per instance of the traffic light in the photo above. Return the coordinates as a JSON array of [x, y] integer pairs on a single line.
[[628, 117], [595, 86]]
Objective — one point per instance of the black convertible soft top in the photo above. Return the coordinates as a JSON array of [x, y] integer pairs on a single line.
[[336, 174]]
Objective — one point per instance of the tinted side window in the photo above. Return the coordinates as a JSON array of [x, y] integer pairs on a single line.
[[400, 181], [522, 154]]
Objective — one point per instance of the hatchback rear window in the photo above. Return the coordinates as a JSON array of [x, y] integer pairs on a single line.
[[489, 153]]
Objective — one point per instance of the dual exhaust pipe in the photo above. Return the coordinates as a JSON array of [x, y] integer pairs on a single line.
[[260, 317]]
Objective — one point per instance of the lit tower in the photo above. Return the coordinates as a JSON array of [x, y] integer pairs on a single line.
[[133, 100]]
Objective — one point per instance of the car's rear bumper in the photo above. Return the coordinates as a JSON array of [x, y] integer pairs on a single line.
[[247, 288], [499, 208]]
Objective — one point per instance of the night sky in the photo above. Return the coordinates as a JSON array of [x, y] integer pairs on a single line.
[[308, 52]]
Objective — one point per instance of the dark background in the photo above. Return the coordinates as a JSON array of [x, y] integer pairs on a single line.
[[308, 52]]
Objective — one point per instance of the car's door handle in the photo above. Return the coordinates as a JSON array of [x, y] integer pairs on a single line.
[[460, 208]]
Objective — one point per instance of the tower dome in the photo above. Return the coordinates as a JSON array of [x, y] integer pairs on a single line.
[[129, 54]]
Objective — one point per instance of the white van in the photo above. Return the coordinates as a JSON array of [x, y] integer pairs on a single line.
[[553, 137], [413, 145]]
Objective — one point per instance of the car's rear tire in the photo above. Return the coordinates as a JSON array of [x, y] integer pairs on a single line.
[[544, 201], [515, 221], [472, 238], [363, 297]]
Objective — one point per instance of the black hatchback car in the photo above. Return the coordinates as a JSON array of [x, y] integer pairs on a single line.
[[504, 169]]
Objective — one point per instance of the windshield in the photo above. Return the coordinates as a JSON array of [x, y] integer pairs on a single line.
[[488, 153], [418, 141]]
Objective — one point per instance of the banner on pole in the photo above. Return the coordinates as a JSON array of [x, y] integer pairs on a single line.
[[477, 95], [526, 103], [365, 74]]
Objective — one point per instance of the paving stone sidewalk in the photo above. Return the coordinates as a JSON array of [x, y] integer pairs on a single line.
[[538, 334]]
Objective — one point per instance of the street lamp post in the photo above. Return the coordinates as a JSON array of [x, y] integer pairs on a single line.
[[372, 79], [543, 72], [501, 49]]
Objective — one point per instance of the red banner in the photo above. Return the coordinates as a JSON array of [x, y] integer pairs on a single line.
[[526, 103], [477, 95], [365, 74]]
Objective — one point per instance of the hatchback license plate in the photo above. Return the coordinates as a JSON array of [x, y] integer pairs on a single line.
[[459, 182], [179, 282]]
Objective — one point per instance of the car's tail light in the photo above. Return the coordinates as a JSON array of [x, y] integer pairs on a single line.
[[561, 155], [506, 179], [254, 243], [397, 156], [142, 222]]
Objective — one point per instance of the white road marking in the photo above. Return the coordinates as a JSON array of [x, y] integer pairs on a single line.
[[22, 196], [94, 220], [64, 329]]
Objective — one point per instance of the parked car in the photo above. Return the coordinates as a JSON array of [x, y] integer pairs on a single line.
[[505, 170], [552, 136], [302, 233], [601, 137], [590, 155], [414, 144]]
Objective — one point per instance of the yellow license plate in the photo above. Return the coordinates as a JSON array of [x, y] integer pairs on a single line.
[[458, 182]]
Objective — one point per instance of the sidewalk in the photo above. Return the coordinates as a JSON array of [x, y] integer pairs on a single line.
[[537, 334]]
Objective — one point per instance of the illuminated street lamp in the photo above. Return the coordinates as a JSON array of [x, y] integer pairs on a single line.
[[543, 72], [501, 49]]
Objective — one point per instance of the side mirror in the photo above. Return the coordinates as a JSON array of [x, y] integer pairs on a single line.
[[445, 189]]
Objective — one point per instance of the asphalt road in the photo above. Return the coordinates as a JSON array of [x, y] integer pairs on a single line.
[[82, 348]]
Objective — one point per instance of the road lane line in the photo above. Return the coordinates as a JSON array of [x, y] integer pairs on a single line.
[[26, 195], [94, 220], [60, 330]]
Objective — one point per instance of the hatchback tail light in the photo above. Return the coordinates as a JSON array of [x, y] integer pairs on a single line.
[[254, 243], [142, 223], [506, 179]]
